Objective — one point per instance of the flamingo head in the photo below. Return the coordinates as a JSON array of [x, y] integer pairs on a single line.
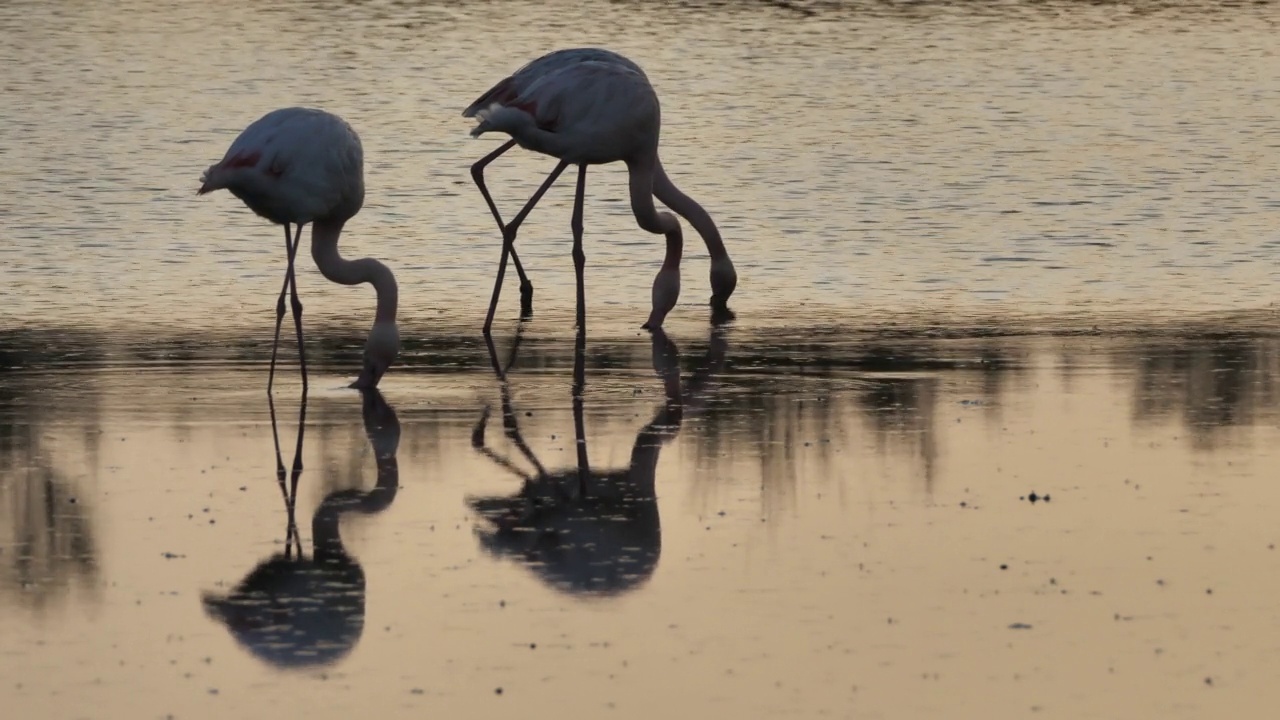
[[666, 291], [380, 350], [723, 280]]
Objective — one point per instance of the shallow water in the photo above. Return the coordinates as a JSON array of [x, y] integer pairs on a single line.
[[853, 537], [986, 251], [864, 156]]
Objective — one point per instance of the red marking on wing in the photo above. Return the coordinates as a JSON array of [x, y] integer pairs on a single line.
[[240, 161], [531, 107], [505, 93]]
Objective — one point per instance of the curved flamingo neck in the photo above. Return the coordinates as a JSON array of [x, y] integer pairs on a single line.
[[324, 250], [643, 172], [687, 208], [521, 126]]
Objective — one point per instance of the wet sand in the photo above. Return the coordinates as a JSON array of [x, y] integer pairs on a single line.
[[806, 529]]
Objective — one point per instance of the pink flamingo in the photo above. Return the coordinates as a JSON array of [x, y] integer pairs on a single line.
[[299, 166], [587, 106]]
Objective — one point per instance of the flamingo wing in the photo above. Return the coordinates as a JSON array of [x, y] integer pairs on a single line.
[[293, 165], [519, 82], [590, 98]]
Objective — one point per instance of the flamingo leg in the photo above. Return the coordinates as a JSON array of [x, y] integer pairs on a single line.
[[509, 237], [290, 286], [515, 350], [297, 307], [579, 422], [297, 465], [288, 275], [477, 175], [579, 257]]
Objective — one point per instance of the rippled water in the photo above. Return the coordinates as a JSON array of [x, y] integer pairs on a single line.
[[994, 433], [862, 158]]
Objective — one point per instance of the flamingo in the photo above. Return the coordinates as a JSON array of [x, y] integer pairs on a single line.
[[589, 106], [295, 166]]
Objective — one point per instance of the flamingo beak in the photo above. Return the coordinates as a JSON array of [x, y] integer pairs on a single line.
[[369, 376]]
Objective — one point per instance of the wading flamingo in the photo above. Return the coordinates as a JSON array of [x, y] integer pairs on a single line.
[[296, 166], [588, 106]]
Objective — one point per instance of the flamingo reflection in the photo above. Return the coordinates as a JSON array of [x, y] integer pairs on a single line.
[[586, 531], [297, 612]]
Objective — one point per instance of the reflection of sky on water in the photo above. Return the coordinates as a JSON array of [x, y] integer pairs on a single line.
[[48, 473], [795, 412], [296, 611]]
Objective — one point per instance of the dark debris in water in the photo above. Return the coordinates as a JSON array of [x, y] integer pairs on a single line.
[[1019, 626], [1033, 498]]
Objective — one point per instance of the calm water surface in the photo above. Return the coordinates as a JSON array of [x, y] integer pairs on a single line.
[[816, 529], [986, 251]]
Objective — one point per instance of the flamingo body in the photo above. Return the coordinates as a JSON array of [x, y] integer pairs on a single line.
[[591, 112], [589, 106], [296, 166], [518, 83]]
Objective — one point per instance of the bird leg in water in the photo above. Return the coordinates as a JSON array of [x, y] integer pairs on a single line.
[[579, 257], [477, 174], [296, 473], [510, 425], [280, 475], [290, 285], [289, 495], [275, 345], [297, 308], [509, 237], [579, 385]]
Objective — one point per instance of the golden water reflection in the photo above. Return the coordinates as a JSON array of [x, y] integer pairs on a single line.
[[582, 530], [296, 612], [794, 509]]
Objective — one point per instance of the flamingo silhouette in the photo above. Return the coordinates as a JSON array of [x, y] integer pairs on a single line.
[[585, 531], [292, 611], [296, 166], [588, 106]]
